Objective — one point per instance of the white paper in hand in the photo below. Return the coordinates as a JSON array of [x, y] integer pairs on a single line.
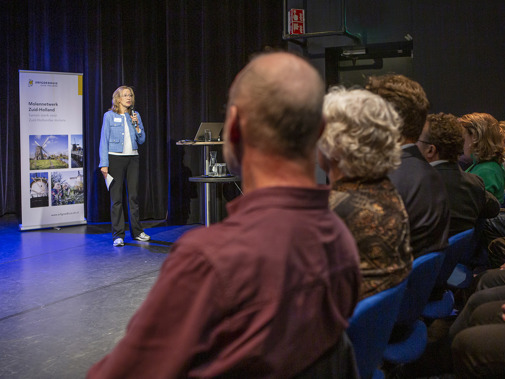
[[108, 181]]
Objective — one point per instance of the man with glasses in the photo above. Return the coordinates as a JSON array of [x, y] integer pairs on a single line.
[[441, 143]]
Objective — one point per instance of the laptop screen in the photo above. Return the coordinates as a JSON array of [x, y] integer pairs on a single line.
[[215, 130]]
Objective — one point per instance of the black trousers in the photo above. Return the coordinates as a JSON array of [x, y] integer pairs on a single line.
[[121, 168]]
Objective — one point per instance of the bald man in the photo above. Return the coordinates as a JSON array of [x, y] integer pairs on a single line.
[[267, 291]]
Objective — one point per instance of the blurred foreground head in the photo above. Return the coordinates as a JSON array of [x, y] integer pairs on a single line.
[[274, 108]]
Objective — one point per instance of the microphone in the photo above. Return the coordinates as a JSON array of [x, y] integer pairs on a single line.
[[132, 112]]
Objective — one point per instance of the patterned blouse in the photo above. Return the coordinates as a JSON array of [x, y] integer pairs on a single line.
[[374, 213]]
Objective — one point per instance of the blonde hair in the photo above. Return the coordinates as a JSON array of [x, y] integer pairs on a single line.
[[117, 95], [502, 131], [362, 133], [487, 139]]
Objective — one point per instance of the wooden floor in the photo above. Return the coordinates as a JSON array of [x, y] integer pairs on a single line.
[[66, 295]]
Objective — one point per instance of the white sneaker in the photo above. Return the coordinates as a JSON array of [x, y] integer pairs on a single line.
[[142, 237], [118, 242]]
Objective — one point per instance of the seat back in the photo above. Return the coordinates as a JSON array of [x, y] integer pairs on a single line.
[[420, 283], [410, 334], [370, 327], [473, 253], [459, 245]]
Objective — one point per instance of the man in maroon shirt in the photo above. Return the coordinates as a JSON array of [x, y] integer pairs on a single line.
[[267, 291]]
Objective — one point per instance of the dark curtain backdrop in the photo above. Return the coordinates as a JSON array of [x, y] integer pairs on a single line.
[[179, 56]]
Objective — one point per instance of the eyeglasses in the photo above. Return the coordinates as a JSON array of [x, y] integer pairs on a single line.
[[427, 143], [129, 95]]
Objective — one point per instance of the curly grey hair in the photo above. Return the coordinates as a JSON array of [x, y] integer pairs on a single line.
[[362, 133]]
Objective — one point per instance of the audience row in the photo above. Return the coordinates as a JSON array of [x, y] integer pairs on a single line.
[[268, 291]]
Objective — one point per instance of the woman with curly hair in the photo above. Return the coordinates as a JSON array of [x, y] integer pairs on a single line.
[[360, 145], [484, 144]]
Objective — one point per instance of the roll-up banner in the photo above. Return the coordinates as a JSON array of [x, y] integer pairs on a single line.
[[52, 154]]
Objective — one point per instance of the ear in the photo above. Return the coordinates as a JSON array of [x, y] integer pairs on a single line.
[[432, 151], [234, 133]]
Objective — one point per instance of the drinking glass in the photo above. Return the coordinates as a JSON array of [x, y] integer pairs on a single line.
[[212, 163]]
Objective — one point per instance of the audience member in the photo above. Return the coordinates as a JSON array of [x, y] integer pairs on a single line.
[[419, 184], [441, 142], [477, 349], [484, 144], [360, 145], [268, 290]]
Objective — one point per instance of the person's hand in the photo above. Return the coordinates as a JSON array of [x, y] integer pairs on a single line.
[[105, 171], [502, 267], [135, 121], [503, 310]]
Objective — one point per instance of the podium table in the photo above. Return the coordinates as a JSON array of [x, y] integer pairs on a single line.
[[213, 208], [206, 150], [207, 180]]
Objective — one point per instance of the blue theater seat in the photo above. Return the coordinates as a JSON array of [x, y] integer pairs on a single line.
[[370, 328], [453, 274], [410, 334]]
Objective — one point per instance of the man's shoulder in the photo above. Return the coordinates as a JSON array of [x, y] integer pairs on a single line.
[[414, 169], [413, 159], [458, 181], [256, 231], [417, 162], [253, 248], [473, 178], [449, 170], [197, 238]]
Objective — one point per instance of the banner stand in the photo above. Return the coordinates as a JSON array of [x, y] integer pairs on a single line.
[[52, 152]]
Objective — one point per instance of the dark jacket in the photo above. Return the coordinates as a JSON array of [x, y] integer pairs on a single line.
[[468, 200], [425, 198]]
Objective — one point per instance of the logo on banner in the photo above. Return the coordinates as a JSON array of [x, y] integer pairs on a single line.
[[42, 83]]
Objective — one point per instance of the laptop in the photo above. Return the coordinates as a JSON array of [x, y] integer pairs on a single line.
[[215, 130]]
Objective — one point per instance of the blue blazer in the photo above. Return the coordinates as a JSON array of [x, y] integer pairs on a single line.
[[112, 137]]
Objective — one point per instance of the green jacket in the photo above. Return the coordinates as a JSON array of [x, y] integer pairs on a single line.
[[493, 175]]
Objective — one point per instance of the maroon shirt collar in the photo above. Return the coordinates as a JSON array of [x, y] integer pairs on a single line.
[[281, 197]]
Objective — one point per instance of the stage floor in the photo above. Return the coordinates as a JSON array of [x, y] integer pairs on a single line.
[[67, 295]]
